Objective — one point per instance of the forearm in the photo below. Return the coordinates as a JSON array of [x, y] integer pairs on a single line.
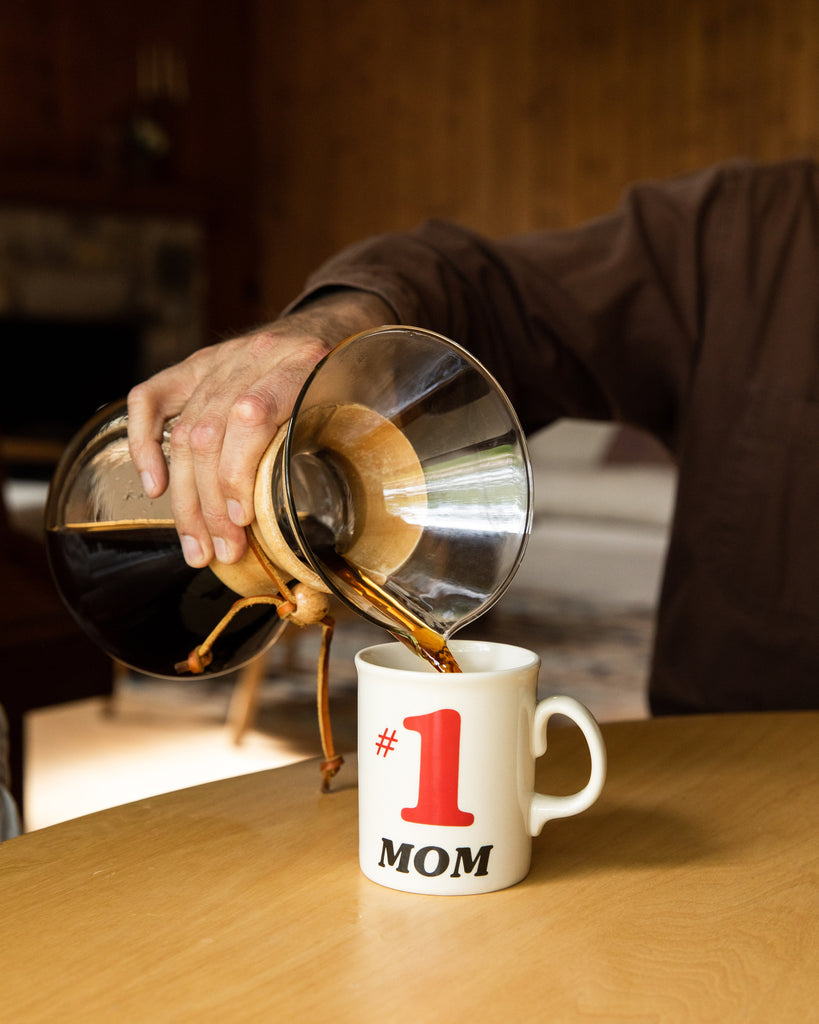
[[334, 313], [448, 279], [600, 321]]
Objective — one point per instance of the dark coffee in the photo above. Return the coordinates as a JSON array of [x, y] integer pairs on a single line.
[[129, 587]]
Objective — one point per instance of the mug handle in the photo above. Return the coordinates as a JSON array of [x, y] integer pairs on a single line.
[[543, 808]]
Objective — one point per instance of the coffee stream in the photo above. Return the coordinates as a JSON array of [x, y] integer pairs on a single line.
[[425, 642], [411, 630]]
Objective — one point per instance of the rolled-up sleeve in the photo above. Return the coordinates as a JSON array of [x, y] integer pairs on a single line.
[[602, 321]]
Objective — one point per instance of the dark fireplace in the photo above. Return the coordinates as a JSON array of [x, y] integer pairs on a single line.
[[89, 305], [58, 372]]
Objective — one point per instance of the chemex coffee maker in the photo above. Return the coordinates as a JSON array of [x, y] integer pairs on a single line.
[[401, 484]]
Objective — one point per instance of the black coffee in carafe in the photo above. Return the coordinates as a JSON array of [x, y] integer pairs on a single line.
[[138, 599]]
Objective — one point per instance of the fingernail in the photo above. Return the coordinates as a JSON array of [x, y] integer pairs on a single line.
[[192, 550], [236, 512], [148, 482], [221, 549]]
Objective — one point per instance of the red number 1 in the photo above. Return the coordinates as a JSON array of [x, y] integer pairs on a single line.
[[438, 775]]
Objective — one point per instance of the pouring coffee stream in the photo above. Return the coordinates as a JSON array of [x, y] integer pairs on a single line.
[[410, 630], [400, 486]]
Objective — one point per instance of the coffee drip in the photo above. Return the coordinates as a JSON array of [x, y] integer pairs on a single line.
[[409, 629]]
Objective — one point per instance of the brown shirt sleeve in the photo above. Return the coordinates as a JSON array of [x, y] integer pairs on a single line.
[[692, 311], [602, 321]]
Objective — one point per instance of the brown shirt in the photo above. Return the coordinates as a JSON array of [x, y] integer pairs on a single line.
[[691, 312]]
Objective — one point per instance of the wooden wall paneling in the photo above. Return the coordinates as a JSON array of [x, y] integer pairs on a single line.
[[69, 83], [510, 114], [359, 117], [56, 81]]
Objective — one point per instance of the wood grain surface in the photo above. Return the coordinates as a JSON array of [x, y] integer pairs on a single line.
[[690, 891]]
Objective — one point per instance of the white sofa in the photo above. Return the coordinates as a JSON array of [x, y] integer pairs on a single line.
[[600, 525]]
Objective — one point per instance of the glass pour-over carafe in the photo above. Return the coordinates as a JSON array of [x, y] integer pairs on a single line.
[[401, 484]]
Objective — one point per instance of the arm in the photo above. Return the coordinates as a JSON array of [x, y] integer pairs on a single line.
[[602, 321]]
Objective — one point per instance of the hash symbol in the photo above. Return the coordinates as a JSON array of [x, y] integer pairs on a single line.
[[385, 743]]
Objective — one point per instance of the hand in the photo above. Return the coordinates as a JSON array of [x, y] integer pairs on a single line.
[[229, 400]]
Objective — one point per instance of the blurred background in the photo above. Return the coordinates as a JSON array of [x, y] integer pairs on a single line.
[[202, 158], [171, 171]]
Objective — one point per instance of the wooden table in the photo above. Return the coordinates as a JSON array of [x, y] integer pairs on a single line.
[[689, 892]]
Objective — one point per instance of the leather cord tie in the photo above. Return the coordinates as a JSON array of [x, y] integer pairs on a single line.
[[332, 761], [302, 607]]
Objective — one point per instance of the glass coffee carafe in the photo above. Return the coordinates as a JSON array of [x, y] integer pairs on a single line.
[[401, 485]]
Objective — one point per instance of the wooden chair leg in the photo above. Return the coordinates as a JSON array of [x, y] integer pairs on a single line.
[[245, 699], [108, 706]]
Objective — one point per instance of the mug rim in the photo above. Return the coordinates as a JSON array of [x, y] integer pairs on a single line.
[[524, 659]]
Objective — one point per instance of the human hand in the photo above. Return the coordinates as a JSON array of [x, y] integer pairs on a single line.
[[229, 400]]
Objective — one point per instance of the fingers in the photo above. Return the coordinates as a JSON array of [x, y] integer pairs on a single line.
[[252, 423], [214, 469], [197, 497], [229, 400], [228, 403], [146, 422], [253, 420], [150, 405], [274, 369]]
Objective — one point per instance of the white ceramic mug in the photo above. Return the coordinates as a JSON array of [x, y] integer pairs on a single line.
[[446, 767]]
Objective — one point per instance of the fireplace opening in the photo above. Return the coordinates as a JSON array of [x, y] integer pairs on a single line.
[[57, 373], [90, 304]]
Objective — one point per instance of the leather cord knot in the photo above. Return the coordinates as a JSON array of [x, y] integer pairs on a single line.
[[328, 770], [303, 607]]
